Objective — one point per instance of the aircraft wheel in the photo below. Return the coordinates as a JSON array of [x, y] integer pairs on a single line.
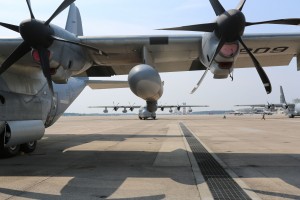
[[7, 152], [29, 147], [154, 118], [291, 116], [145, 118], [140, 118]]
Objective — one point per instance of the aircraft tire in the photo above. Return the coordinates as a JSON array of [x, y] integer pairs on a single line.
[[7, 152], [154, 118], [29, 147], [140, 118]]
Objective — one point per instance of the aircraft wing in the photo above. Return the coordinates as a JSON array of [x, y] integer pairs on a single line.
[[127, 107], [254, 105], [280, 105], [182, 106], [181, 53], [168, 53]]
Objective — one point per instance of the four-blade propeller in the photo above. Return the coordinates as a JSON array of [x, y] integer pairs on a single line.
[[229, 27], [40, 36]]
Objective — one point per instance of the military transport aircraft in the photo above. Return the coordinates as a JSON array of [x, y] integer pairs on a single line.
[[291, 109], [143, 111], [46, 53]]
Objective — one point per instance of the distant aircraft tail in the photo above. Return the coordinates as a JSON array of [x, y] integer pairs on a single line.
[[74, 23], [282, 97]]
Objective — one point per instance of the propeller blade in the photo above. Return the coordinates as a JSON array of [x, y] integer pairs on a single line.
[[209, 27], [18, 53], [199, 82], [263, 76], [11, 27], [290, 21], [241, 5], [220, 45], [30, 9], [79, 44], [46, 67], [61, 8], [217, 6]]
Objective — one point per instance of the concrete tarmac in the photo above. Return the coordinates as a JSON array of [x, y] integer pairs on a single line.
[[125, 158]]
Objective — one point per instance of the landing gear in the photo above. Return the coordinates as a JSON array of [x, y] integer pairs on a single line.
[[140, 118], [7, 152], [291, 116], [29, 147], [154, 118]]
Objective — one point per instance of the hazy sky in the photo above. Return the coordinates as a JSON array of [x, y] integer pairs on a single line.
[[142, 17]]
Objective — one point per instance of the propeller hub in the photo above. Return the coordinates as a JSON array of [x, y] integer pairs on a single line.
[[36, 33], [230, 25]]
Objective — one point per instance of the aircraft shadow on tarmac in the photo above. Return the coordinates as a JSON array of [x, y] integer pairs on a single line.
[[91, 171]]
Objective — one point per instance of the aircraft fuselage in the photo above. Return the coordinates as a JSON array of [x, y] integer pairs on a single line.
[[145, 114]]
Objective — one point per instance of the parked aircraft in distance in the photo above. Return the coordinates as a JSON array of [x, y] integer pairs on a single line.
[[38, 69], [251, 111], [237, 112], [143, 111], [291, 109]]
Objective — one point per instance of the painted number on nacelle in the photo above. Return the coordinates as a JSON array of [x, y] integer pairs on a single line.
[[264, 50]]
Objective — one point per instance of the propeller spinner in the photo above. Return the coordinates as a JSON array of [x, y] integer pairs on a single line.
[[229, 27]]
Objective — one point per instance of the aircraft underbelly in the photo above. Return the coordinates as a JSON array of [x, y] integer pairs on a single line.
[[23, 98]]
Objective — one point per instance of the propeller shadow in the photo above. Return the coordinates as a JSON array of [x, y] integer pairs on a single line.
[[102, 173]]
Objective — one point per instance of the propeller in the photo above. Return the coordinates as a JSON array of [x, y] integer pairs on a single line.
[[40, 36], [30, 9], [131, 108], [229, 27], [221, 43], [116, 107]]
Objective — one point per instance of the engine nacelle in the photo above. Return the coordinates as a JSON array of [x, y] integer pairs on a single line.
[[105, 110], [270, 107], [222, 65], [145, 82], [19, 132]]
